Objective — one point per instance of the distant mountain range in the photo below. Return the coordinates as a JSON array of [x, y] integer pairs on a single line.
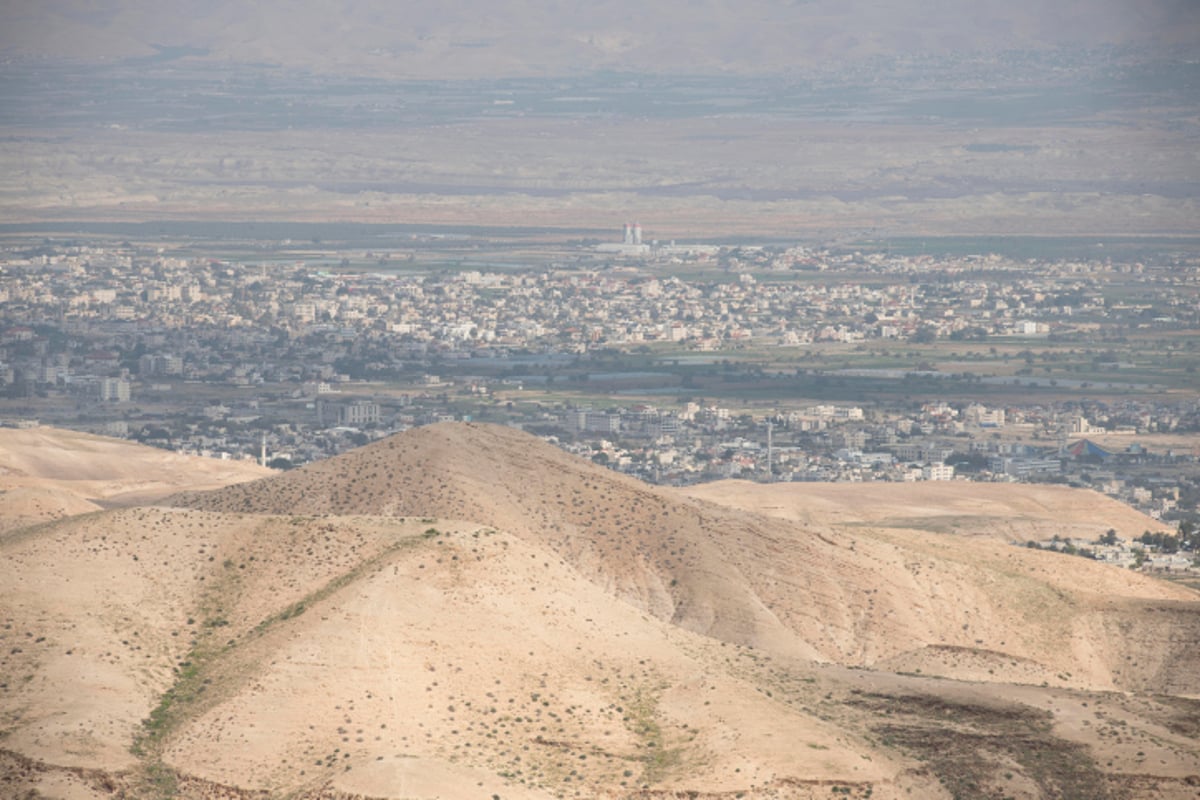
[[551, 37]]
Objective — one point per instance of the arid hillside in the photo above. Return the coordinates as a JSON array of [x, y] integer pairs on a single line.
[[1004, 512], [466, 611], [845, 594], [48, 473]]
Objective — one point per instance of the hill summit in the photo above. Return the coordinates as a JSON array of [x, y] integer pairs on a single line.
[[464, 611], [841, 594]]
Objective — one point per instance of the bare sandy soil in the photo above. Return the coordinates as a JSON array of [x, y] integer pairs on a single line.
[[999, 511], [463, 611], [48, 473]]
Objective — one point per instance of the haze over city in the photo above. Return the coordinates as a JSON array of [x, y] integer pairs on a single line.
[[767, 118], [542, 399], [511, 39]]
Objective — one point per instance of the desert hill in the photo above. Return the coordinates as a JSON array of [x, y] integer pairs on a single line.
[[49, 473], [543, 627], [1005, 512], [394, 659], [853, 595]]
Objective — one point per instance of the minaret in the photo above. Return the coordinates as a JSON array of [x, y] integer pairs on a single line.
[[770, 448], [262, 456]]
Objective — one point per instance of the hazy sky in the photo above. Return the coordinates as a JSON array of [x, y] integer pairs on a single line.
[[514, 37]]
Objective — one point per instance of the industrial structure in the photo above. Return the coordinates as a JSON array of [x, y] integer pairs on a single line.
[[631, 242]]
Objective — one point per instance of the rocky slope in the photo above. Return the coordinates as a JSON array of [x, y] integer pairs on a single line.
[[846, 594], [465, 611]]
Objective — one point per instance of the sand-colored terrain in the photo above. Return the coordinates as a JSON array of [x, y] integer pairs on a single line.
[[1004, 512], [817, 590], [738, 176], [49, 473], [465, 611]]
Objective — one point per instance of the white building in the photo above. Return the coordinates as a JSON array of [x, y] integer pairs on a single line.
[[937, 472], [114, 390]]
